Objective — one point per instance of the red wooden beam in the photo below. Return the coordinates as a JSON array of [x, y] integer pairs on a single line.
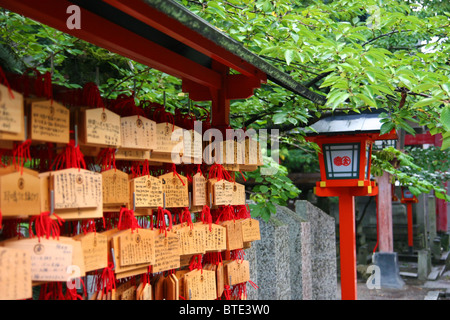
[[103, 33], [175, 29]]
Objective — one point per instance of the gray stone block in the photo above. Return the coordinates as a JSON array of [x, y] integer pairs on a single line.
[[322, 238], [299, 252], [273, 261]]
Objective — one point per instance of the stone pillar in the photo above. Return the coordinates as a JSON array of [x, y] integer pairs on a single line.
[[299, 253], [252, 257], [318, 238], [273, 261], [386, 259]]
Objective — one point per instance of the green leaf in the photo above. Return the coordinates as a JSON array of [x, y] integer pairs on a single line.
[[367, 100], [445, 118], [289, 56], [279, 118], [263, 189], [386, 127], [425, 102]]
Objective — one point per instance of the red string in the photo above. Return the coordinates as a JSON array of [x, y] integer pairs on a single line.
[[161, 221], [206, 217], [91, 96], [22, 153], [107, 159], [175, 173], [45, 226], [127, 220]]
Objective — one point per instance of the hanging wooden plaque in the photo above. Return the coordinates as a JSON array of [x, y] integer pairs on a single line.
[[238, 194], [50, 259], [76, 188], [199, 190], [100, 127], [115, 188], [176, 190], [200, 285], [20, 192], [136, 247], [148, 192], [137, 132], [168, 138], [216, 237], [192, 147], [236, 272], [192, 239], [95, 250], [222, 192], [234, 234], [167, 251], [250, 230], [11, 111], [132, 155], [15, 274], [49, 122]]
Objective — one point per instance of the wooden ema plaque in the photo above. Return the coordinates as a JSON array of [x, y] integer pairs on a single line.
[[136, 247], [236, 272], [176, 190], [11, 113], [137, 132], [49, 122], [95, 250], [169, 138], [238, 194], [192, 147], [250, 230], [148, 192], [234, 234], [114, 255], [76, 188], [100, 127], [50, 259], [216, 237], [77, 193], [222, 191], [192, 240], [20, 194], [218, 270], [199, 190], [115, 189], [167, 251], [200, 285], [15, 274]]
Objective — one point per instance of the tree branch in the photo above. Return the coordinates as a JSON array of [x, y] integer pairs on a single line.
[[384, 35]]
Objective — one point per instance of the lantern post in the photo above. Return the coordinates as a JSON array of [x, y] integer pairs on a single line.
[[345, 163], [408, 198]]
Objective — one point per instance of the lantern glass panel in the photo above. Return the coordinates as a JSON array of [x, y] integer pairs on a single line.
[[342, 160], [407, 194]]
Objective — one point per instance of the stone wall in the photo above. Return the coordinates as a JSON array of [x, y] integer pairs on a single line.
[[296, 256]]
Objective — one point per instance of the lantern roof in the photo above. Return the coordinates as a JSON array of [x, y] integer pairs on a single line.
[[367, 122]]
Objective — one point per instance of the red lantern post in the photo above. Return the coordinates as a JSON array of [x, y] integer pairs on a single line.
[[408, 198]]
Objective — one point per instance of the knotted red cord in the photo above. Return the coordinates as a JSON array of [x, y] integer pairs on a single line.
[[206, 217], [196, 262], [161, 221], [22, 153], [70, 157], [175, 173], [127, 220], [107, 279], [107, 159], [185, 216], [217, 171], [45, 226], [91, 96]]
